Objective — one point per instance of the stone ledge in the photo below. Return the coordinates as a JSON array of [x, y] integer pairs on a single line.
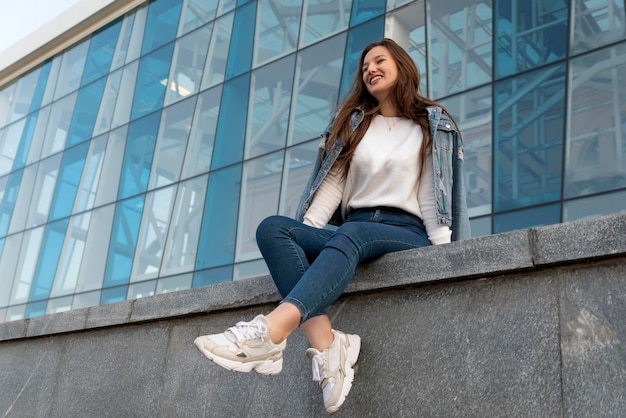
[[533, 248]]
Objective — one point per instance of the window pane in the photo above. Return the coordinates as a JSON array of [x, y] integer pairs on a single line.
[[174, 284], [71, 256], [141, 290], [240, 56], [25, 266], [215, 66], [42, 189], [299, 163], [363, 10], [9, 191], [202, 136], [480, 226], [112, 295], [277, 28], [188, 64], [184, 230], [213, 276], [101, 50], [407, 26], [161, 24], [138, 155], [59, 305], [39, 135], [71, 69], [125, 232], [21, 203], [9, 142], [68, 181], [597, 23], [596, 146], [231, 128], [259, 199], [358, 38], [112, 165], [250, 269], [92, 265], [460, 45], [196, 13], [6, 98], [88, 186], [219, 223], [24, 146], [121, 49], [318, 75], [135, 41], [594, 206], [528, 218], [104, 120], [270, 98], [58, 125], [529, 34], [151, 81], [171, 143], [322, 19], [85, 112], [123, 94], [472, 112], [86, 300], [529, 137], [152, 234], [20, 102], [49, 254], [8, 264]]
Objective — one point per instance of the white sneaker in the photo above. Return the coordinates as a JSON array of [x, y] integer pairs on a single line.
[[244, 347], [332, 368]]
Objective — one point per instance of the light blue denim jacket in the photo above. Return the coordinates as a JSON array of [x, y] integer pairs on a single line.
[[447, 154]]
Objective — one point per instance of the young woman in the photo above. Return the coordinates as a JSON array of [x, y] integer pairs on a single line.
[[389, 174]]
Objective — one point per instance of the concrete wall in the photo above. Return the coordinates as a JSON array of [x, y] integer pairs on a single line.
[[529, 323]]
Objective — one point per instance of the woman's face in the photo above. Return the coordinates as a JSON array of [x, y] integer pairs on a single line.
[[380, 72]]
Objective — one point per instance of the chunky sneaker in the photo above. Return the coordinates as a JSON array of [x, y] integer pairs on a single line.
[[244, 347], [332, 368]]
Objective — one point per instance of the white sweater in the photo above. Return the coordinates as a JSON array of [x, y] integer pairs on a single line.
[[384, 171]]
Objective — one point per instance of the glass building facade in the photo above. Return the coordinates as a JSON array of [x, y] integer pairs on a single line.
[[140, 160]]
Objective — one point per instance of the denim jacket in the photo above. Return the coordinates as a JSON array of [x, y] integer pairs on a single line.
[[447, 151]]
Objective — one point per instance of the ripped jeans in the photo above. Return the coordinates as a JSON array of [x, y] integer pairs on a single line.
[[311, 267]]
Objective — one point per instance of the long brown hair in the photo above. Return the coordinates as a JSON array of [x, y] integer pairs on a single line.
[[404, 95]]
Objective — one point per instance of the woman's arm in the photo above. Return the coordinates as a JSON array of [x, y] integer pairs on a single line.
[[326, 200], [437, 234]]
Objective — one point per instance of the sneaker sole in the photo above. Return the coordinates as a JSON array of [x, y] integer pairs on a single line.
[[265, 367], [351, 359]]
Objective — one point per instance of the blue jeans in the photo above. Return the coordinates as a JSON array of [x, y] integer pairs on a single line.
[[311, 267]]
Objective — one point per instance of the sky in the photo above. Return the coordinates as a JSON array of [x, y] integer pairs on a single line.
[[18, 18]]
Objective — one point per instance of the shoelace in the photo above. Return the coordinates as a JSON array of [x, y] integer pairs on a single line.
[[248, 330], [319, 365]]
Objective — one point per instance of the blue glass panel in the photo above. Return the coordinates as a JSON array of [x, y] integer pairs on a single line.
[[138, 154], [231, 126], [219, 224], [529, 34], [358, 38], [25, 141], [161, 24], [151, 81], [123, 241], [480, 226], [528, 138], [85, 112], [197, 13], [212, 276], [41, 86], [363, 10], [66, 188], [116, 294], [101, 50], [9, 196], [242, 41], [49, 254], [528, 218], [34, 309]]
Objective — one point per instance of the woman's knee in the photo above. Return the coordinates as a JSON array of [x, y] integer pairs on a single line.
[[268, 227]]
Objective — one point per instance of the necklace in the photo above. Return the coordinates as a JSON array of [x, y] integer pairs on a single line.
[[393, 119]]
